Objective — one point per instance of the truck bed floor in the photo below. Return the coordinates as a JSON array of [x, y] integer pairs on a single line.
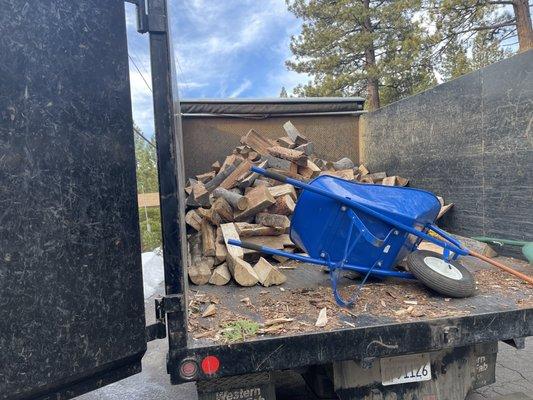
[[293, 308]]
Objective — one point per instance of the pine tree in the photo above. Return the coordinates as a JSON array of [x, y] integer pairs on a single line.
[[493, 20], [355, 46], [283, 94], [149, 218], [455, 61], [146, 157]]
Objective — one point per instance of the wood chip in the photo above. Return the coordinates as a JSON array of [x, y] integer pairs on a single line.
[[210, 310], [322, 319], [276, 321]]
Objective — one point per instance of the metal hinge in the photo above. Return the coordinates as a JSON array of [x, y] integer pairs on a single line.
[[151, 15], [163, 306]]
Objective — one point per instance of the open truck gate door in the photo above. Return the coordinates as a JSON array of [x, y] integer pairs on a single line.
[[71, 295]]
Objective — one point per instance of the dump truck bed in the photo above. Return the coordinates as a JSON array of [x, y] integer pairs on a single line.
[[293, 308], [391, 317]]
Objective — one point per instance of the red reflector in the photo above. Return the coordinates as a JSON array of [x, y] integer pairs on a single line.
[[210, 365], [188, 369]]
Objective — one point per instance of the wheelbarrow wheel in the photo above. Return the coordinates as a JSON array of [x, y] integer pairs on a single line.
[[449, 278]]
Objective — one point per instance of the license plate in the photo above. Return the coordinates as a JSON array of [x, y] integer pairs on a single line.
[[405, 369]]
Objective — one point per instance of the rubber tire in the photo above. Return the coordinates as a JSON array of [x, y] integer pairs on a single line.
[[465, 287]]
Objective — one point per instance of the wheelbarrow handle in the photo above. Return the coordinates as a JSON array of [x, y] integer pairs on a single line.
[[453, 247], [319, 261]]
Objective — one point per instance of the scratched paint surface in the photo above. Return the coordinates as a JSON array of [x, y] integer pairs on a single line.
[[468, 140], [70, 274]]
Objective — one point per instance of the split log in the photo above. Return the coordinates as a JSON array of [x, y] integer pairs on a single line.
[[250, 179], [223, 208], [221, 252], [469, 243], [273, 220], [286, 142], [401, 181], [253, 155], [246, 230], [444, 210], [231, 160], [205, 177], [294, 134], [295, 156], [293, 168], [241, 171], [394, 181], [210, 215], [219, 178], [268, 274], [366, 179], [307, 148], [259, 198], [389, 181], [343, 163], [257, 142], [282, 190], [284, 206], [275, 242], [363, 170], [260, 182], [276, 162], [221, 275], [215, 167], [343, 173], [236, 200], [199, 268], [377, 176], [311, 170], [199, 195], [242, 271], [288, 174], [208, 239], [193, 219], [230, 232], [322, 164]]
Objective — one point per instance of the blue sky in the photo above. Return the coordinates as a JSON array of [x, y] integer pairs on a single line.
[[229, 48]]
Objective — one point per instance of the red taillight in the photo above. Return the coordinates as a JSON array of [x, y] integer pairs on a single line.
[[188, 369], [210, 365]]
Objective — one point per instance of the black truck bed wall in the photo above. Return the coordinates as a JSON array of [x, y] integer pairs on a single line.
[[71, 301], [468, 140]]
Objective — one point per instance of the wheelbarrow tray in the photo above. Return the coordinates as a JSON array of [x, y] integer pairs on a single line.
[[320, 225]]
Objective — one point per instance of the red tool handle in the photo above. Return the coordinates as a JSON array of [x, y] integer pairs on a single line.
[[503, 267]]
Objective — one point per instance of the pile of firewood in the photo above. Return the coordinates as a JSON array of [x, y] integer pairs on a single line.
[[231, 202]]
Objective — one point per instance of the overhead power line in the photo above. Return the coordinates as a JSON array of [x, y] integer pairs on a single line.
[[139, 71], [138, 132]]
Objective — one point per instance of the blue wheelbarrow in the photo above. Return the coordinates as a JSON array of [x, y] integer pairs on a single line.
[[369, 229]]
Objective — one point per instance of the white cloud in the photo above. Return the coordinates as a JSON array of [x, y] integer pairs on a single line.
[[247, 84]]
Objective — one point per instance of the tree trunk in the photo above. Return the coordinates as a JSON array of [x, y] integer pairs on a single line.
[[523, 25], [370, 56]]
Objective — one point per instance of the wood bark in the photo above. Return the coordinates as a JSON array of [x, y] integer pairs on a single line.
[[523, 25], [370, 64]]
